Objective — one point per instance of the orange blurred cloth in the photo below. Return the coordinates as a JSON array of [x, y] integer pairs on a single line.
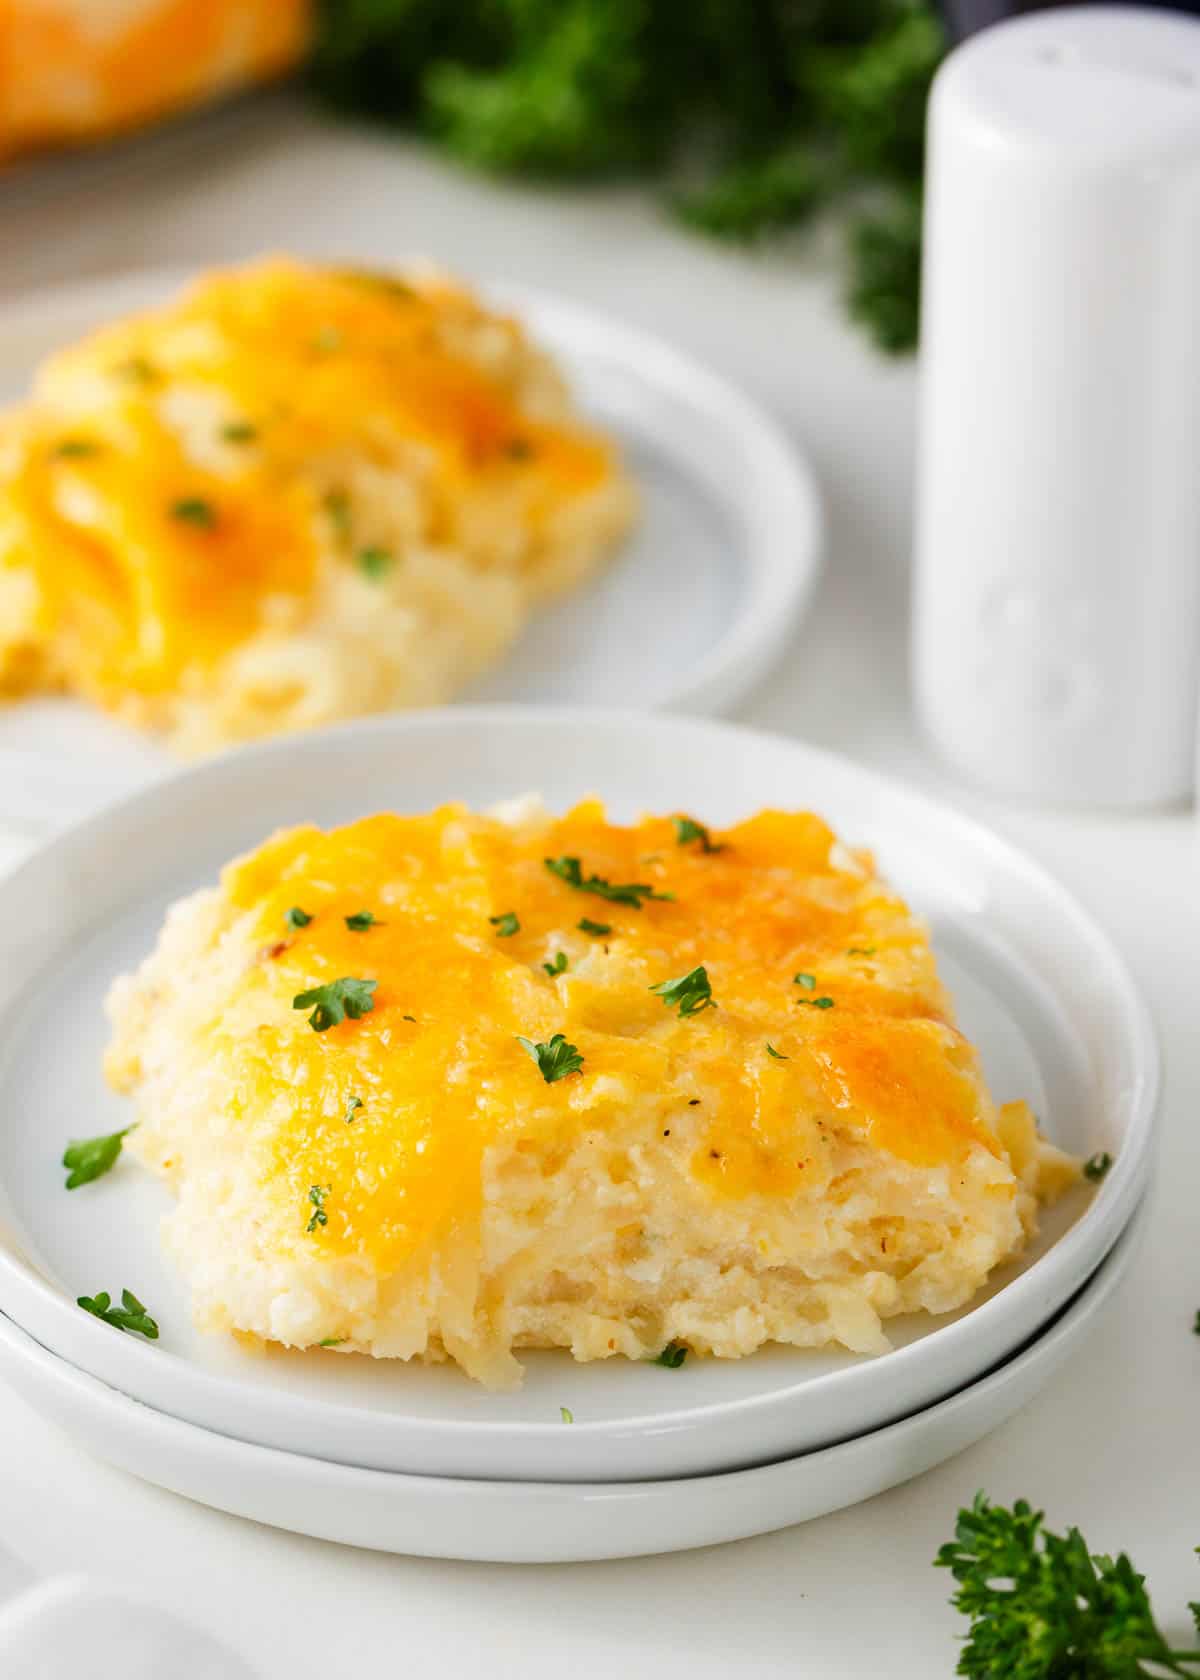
[[75, 70]]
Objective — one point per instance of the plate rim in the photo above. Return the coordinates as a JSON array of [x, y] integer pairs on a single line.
[[939, 1425], [779, 577], [1077, 1251]]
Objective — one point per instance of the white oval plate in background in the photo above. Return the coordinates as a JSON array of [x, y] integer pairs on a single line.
[[1040, 989], [693, 609], [547, 1522]]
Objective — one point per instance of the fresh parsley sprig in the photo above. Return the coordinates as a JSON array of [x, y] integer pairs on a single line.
[[687, 830], [335, 1002], [506, 925], [691, 993], [316, 1195], [672, 1356], [1097, 1166], [1042, 1606], [130, 1315], [361, 921], [558, 966], [599, 930], [633, 893], [295, 918], [555, 1059], [90, 1158]]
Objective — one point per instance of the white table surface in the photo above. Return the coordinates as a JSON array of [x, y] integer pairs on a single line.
[[1112, 1445]]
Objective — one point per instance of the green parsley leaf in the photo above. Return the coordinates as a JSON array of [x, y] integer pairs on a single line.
[[861, 951], [91, 1158], [373, 562], [777, 1054], [808, 981], [691, 992], [361, 921], [566, 1414], [505, 925], [334, 1002], [137, 369], [239, 431], [672, 1356], [333, 1341], [194, 510], [816, 1003], [633, 893], [130, 1315], [558, 966], [686, 831], [296, 918], [555, 1060], [337, 506], [1042, 1606], [600, 929], [352, 1108], [316, 1195], [74, 449], [1097, 1167]]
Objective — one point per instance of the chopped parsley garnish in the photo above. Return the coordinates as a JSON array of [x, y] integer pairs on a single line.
[[861, 951], [1044, 1606], [239, 431], [373, 562], [686, 831], [91, 1158], [633, 893], [332, 1004], [505, 925], [600, 929], [566, 1414], [75, 449], [333, 1341], [1097, 1167], [777, 1054], [130, 1315], [1196, 1325], [808, 981], [361, 921], [555, 1060], [296, 918], [672, 1356], [816, 1003], [316, 1195], [352, 1108], [691, 992], [337, 506], [558, 966], [138, 369], [194, 510]]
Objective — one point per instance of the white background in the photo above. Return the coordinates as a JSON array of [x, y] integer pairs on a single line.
[[1113, 1445]]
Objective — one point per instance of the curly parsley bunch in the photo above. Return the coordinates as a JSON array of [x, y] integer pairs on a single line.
[[757, 114]]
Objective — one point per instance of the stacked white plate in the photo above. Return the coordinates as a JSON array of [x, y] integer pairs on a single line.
[[384, 1455]]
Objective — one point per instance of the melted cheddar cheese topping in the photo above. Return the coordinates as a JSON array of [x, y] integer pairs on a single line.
[[392, 1112], [179, 483]]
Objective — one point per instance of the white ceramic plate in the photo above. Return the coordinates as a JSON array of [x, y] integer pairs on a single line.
[[1040, 989], [547, 1522], [695, 608]]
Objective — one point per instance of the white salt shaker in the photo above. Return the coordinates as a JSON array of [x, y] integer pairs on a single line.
[[1057, 593]]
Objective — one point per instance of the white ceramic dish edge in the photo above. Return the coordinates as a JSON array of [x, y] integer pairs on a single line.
[[547, 1522]]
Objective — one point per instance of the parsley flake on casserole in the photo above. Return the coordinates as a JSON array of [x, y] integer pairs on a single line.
[[293, 495], [454, 1085]]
